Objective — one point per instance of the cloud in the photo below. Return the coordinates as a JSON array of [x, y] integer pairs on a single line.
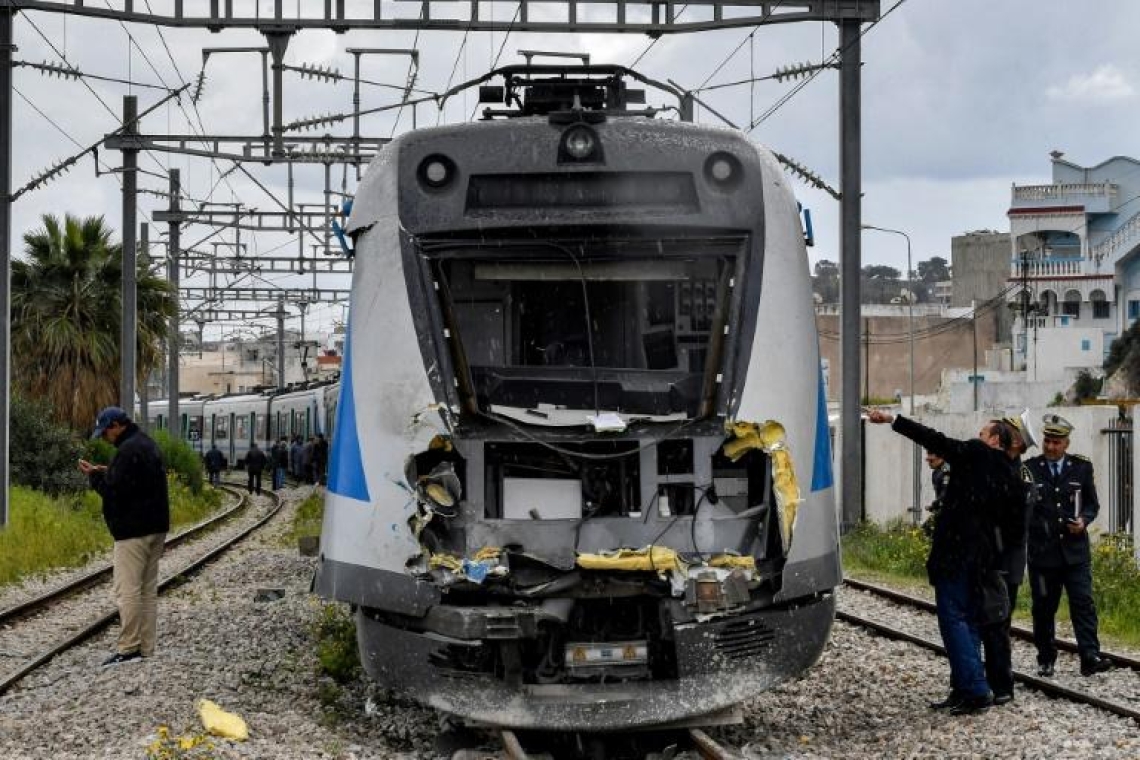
[[1106, 84]]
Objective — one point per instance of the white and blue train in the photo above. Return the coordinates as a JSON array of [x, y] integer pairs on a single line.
[[233, 422], [581, 475]]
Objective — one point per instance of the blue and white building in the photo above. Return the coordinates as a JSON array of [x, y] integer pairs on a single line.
[[1075, 260]]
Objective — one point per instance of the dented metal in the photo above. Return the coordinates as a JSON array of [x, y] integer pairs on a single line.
[[577, 490]]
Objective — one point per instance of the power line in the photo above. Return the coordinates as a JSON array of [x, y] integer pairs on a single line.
[[834, 57]]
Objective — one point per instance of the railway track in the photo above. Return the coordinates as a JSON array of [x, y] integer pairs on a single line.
[[87, 583], [692, 743], [1121, 705]]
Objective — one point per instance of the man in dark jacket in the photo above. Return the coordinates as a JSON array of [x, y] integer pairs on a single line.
[[1010, 545], [1059, 555], [280, 456], [136, 507], [255, 461], [963, 548], [320, 458], [215, 463]]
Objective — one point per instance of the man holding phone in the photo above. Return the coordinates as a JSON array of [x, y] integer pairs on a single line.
[[136, 507], [1059, 555]]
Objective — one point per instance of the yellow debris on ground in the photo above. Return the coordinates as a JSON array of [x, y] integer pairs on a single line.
[[221, 723]]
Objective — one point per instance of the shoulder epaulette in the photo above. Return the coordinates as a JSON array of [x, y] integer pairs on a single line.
[[1079, 457]]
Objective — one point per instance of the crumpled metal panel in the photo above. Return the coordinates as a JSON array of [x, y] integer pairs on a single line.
[[715, 679]]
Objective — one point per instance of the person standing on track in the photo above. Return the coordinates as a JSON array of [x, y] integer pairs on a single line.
[[996, 644], [255, 462], [280, 456], [962, 550], [215, 463], [136, 507], [1059, 555]]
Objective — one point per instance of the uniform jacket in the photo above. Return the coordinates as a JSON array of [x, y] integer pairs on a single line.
[[133, 487], [975, 506], [1013, 549], [1058, 499]]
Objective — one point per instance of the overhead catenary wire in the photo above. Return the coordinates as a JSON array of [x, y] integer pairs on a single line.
[[833, 58]]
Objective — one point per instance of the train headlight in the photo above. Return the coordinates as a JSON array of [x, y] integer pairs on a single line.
[[580, 144], [436, 171], [723, 170]]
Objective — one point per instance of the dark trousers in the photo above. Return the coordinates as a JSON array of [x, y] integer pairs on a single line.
[[254, 482], [997, 648], [215, 477], [957, 605], [1047, 583]]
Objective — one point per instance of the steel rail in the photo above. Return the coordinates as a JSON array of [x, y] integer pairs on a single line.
[[1043, 685], [1020, 632], [171, 581], [29, 606]]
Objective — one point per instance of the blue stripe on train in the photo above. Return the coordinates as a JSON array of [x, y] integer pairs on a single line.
[[346, 468], [821, 474]]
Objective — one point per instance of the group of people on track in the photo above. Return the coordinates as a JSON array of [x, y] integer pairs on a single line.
[[993, 515]]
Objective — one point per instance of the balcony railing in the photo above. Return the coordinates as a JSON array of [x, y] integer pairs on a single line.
[[1072, 191], [1119, 242], [1048, 267]]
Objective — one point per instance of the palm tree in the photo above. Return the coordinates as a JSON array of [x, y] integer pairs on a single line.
[[66, 317]]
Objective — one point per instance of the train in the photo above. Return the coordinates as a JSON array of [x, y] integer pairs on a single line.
[[581, 476], [233, 421]]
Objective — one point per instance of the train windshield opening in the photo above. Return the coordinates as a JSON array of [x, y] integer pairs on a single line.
[[565, 330]]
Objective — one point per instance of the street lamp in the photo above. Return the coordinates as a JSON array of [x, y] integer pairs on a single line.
[[915, 509]]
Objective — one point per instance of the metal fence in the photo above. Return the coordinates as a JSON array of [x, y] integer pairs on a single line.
[[1115, 488]]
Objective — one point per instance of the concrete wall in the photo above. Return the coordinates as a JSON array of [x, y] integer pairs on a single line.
[[886, 359], [888, 476], [980, 263], [1056, 353]]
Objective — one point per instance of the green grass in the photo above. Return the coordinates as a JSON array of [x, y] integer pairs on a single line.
[[896, 555], [46, 533], [307, 519]]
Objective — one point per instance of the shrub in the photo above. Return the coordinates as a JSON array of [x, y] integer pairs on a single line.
[[180, 459], [899, 549], [335, 631], [44, 454]]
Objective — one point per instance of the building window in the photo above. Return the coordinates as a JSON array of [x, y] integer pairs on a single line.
[[1133, 310], [1100, 309], [1071, 309], [1086, 344]]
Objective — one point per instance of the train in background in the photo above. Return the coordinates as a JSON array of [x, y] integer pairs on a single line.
[[581, 476], [235, 421]]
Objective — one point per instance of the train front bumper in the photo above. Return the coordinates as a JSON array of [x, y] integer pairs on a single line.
[[721, 663]]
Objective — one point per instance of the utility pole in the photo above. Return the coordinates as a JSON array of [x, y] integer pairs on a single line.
[[280, 314], [6, 50], [174, 422], [144, 395], [850, 297], [128, 326]]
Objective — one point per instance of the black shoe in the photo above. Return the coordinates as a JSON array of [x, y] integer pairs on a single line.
[[1003, 698], [119, 658], [971, 705], [1096, 665], [952, 699], [1045, 669]]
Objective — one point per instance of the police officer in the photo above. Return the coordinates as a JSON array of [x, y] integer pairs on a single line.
[[939, 478], [1059, 556]]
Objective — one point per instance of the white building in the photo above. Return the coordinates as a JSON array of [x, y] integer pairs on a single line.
[[1074, 265]]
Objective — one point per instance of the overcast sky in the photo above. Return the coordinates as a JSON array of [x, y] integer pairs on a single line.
[[961, 100]]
